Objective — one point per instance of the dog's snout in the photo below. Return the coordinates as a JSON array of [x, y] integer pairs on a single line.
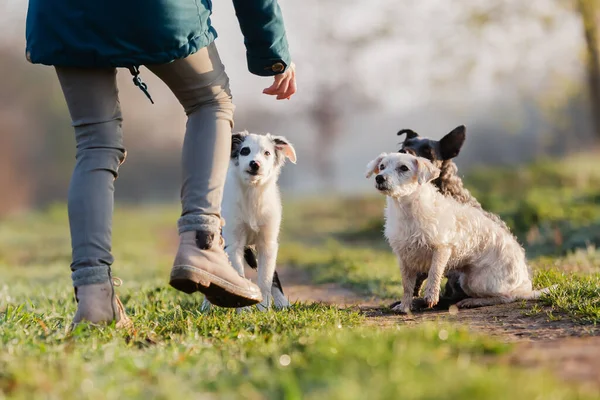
[[380, 179], [254, 165]]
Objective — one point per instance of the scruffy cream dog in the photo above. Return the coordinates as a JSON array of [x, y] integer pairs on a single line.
[[432, 233], [252, 208]]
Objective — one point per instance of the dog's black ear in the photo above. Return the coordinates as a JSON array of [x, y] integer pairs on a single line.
[[451, 144], [236, 141], [410, 134]]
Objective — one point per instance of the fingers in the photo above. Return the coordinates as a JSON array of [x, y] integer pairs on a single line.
[[273, 89], [291, 89], [284, 85], [283, 88]]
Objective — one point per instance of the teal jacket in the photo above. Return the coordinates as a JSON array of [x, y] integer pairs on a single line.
[[130, 33]]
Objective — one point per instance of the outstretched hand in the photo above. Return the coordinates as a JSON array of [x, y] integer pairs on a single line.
[[284, 84]]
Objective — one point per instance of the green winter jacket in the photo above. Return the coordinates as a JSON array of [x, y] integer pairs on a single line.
[[130, 33]]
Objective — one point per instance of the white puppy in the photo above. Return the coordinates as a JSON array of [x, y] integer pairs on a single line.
[[432, 233], [252, 208]]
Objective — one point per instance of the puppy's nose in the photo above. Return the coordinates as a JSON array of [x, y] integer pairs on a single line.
[[254, 166], [379, 179]]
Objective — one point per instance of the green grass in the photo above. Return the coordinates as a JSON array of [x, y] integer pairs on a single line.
[[311, 352], [307, 352]]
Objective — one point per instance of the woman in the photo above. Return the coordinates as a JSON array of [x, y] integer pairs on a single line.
[[86, 41]]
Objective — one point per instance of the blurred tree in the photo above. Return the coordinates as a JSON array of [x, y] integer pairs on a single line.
[[339, 85], [589, 11], [561, 100]]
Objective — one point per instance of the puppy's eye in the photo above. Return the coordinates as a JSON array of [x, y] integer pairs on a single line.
[[403, 168], [267, 153], [381, 167], [245, 151]]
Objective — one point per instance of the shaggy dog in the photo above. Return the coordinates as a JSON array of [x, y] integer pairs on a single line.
[[252, 209], [441, 153], [433, 233]]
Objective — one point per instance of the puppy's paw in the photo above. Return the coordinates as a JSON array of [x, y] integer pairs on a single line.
[[402, 308], [265, 305], [280, 301], [241, 310]]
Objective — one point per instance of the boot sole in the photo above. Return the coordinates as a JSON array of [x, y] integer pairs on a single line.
[[219, 292]]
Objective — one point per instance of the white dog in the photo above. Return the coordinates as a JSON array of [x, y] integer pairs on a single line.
[[252, 208], [431, 233]]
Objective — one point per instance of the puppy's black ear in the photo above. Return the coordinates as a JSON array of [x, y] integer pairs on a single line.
[[236, 141], [451, 144], [410, 134]]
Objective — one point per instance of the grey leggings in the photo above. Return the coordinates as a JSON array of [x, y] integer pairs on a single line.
[[202, 87]]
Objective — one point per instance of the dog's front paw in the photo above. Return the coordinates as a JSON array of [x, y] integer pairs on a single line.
[[402, 307], [432, 297]]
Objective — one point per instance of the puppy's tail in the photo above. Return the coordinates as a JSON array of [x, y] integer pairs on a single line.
[[252, 260]]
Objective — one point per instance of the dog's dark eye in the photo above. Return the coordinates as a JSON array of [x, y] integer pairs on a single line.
[[245, 151], [381, 167], [267, 153], [403, 168]]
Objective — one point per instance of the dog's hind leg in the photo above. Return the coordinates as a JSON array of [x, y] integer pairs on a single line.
[[279, 299], [267, 248], [473, 302], [206, 306]]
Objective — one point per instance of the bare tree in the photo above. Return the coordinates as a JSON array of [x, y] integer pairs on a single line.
[[339, 89], [589, 12]]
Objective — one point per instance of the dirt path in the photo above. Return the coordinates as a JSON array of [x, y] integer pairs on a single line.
[[570, 350]]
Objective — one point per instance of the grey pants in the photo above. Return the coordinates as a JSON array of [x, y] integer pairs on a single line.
[[202, 87]]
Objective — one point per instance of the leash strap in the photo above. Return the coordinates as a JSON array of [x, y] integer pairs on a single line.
[[137, 81]]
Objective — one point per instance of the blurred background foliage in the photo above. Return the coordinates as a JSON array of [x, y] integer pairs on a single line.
[[524, 77]]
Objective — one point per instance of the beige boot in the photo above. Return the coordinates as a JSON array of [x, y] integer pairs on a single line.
[[98, 304], [202, 265]]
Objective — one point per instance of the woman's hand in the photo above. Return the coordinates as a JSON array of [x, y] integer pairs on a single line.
[[284, 84]]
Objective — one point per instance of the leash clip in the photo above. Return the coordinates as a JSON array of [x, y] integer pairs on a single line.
[[137, 81]]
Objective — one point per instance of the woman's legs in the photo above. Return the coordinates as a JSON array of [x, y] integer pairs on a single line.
[[202, 87], [92, 99]]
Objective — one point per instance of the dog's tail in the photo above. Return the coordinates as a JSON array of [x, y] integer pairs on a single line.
[[252, 260]]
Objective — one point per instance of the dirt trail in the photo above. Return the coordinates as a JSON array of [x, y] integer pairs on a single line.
[[570, 350]]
